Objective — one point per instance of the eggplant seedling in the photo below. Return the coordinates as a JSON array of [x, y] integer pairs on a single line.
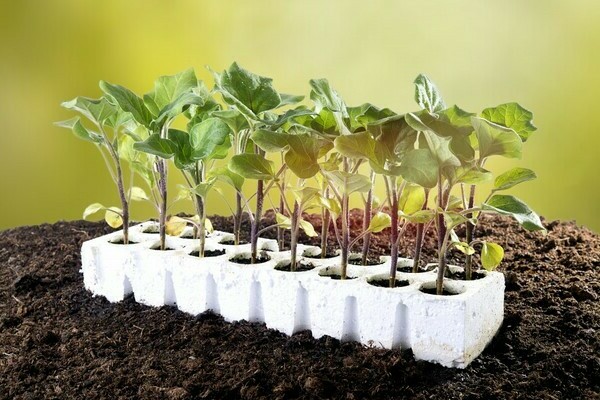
[[109, 134], [171, 96]]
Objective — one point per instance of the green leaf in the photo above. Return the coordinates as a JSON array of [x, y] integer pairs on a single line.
[[206, 136], [137, 194], [452, 219], [513, 177], [379, 222], [92, 209], [412, 199], [305, 195], [233, 118], [289, 99], [419, 217], [203, 188], [128, 101], [157, 146], [224, 174], [126, 150], [183, 150], [270, 141], [347, 183], [463, 247], [494, 139], [419, 166], [357, 145], [491, 255], [510, 205], [80, 131], [308, 228], [96, 110], [512, 115], [252, 166], [251, 93], [332, 205], [283, 221], [427, 94], [470, 175], [168, 89], [113, 217], [175, 226], [325, 97]]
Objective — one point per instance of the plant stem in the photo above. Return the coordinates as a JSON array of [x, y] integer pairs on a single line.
[[345, 235], [394, 236], [294, 237], [280, 230], [161, 167], [367, 221], [441, 231], [419, 238], [201, 228], [469, 236], [325, 221], [237, 220], [124, 202]]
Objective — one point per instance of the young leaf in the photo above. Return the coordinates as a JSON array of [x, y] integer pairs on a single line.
[[96, 110], [168, 89], [419, 166], [80, 131], [92, 209], [206, 136], [203, 188], [419, 217], [208, 225], [308, 228], [251, 93], [427, 94], [332, 205], [494, 139], [510, 205], [305, 195], [491, 255], [412, 199], [513, 177], [137, 194], [283, 221], [348, 183], [157, 146], [512, 115], [463, 247], [113, 217], [224, 174], [175, 226], [453, 219], [252, 166], [128, 101], [379, 222]]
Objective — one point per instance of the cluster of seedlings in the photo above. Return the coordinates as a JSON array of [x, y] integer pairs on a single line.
[[311, 157]]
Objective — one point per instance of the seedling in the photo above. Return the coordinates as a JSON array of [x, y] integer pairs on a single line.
[[109, 134], [171, 96]]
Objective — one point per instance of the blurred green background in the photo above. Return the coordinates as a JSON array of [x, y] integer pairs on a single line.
[[544, 54]]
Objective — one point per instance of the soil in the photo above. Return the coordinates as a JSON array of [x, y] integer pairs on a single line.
[[370, 261], [433, 291], [208, 253], [409, 270], [386, 283], [300, 267], [57, 341], [246, 260]]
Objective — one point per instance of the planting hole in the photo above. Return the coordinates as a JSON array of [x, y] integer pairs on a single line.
[[385, 283], [151, 229], [316, 253], [301, 266], [357, 260], [409, 270], [208, 253], [157, 247], [461, 276], [246, 260], [120, 241], [231, 242]]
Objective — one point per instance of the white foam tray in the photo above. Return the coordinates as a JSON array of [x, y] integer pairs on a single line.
[[448, 330]]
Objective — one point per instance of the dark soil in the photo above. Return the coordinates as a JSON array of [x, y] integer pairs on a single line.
[[121, 241], [246, 260], [301, 266], [208, 253], [370, 261], [59, 342], [386, 283], [316, 256], [231, 242], [461, 276], [338, 277], [433, 291], [409, 270]]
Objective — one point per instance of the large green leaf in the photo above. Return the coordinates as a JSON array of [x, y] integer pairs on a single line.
[[252, 166], [510, 205], [75, 125], [168, 89], [96, 110], [494, 139], [347, 183], [226, 175], [412, 199], [357, 145], [183, 150], [157, 146], [233, 118], [419, 166], [251, 93], [379, 222], [513, 177], [270, 141], [512, 115], [207, 136], [439, 146], [324, 96], [427, 95], [128, 101]]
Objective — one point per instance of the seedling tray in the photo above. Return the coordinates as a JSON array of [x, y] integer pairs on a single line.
[[449, 330]]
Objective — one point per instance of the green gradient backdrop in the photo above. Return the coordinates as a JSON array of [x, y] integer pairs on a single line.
[[544, 54]]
